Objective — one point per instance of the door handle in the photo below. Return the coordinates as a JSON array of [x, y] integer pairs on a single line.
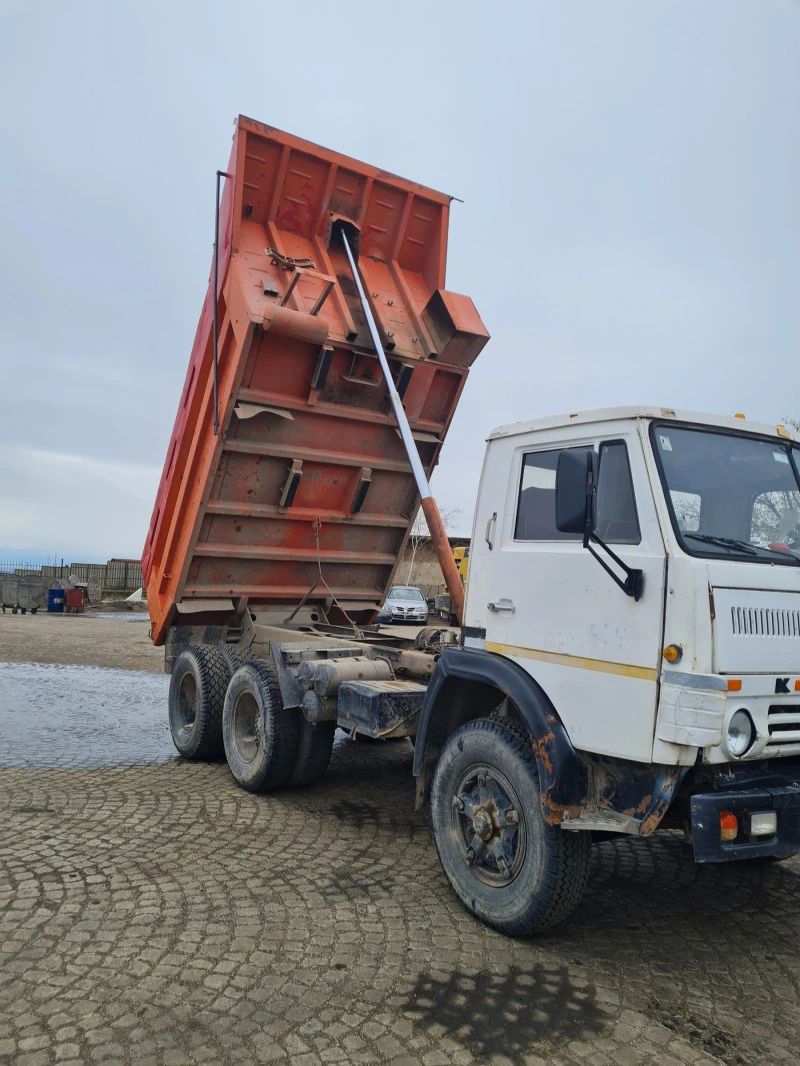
[[503, 605], [488, 527]]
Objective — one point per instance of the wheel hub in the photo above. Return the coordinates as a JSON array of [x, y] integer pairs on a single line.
[[246, 727], [482, 824], [187, 703], [487, 816]]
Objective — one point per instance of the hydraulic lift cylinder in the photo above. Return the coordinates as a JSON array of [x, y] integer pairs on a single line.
[[439, 538]]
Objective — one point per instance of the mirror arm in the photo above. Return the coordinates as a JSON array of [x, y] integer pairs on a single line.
[[633, 585]]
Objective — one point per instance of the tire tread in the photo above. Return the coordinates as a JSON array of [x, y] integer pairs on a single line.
[[314, 747], [212, 675]]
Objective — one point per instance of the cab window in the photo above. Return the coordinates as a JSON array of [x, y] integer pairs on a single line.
[[616, 521], [536, 507]]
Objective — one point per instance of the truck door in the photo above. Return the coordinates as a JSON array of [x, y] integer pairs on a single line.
[[555, 611]]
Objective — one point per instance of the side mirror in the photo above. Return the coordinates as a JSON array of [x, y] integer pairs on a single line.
[[575, 481]]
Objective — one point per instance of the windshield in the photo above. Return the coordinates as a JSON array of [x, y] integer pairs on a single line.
[[731, 495], [406, 594]]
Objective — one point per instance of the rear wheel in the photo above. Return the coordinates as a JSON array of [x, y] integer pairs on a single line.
[[260, 737], [200, 676], [314, 746], [509, 869]]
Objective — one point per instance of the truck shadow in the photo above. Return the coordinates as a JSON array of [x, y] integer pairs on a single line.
[[505, 1014], [686, 943]]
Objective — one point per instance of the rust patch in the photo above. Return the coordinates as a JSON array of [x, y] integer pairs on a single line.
[[641, 809], [554, 813], [540, 747], [649, 825]]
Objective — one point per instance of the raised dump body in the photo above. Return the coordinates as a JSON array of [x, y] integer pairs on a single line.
[[304, 498]]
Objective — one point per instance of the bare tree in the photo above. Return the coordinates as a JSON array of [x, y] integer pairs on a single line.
[[772, 510], [419, 533]]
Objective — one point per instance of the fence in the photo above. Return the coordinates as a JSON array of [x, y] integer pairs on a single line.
[[116, 575]]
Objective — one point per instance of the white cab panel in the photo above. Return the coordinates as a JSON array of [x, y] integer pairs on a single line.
[[594, 650], [756, 631]]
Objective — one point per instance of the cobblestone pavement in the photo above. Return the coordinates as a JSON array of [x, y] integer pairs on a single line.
[[158, 914]]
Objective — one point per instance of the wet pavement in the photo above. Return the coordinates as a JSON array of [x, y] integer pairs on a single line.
[[82, 716]]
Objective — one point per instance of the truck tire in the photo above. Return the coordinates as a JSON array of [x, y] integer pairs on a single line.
[[260, 737], [197, 686], [234, 656], [313, 752], [511, 871]]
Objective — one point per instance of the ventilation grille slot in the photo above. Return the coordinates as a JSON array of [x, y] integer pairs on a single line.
[[783, 720], [764, 622]]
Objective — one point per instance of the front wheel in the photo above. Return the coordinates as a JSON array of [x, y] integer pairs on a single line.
[[510, 870]]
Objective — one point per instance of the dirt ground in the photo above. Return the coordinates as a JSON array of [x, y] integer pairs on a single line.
[[84, 640]]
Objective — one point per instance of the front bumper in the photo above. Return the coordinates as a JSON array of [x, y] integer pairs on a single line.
[[781, 796]]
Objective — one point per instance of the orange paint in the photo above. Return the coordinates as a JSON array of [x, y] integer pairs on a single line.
[[234, 514]]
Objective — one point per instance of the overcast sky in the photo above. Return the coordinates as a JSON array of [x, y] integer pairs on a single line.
[[630, 230]]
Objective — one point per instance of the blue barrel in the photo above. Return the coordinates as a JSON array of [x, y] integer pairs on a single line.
[[55, 600]]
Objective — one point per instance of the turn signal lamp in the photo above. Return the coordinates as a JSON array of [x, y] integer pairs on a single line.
[[734, 684], [797, 686], [673, 653], [728, 825]]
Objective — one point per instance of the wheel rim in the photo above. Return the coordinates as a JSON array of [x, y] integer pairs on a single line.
[[187, 703], [245, 727], [489, 825]]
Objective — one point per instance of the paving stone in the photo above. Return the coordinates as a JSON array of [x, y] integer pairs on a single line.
[[151, 912]]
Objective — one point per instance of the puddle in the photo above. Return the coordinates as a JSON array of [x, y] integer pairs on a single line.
[[82, 716]]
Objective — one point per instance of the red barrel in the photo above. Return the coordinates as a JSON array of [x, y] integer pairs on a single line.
[[74, 601]]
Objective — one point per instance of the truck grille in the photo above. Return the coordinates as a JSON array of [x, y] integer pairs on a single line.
[[783, 721], [764, 622]]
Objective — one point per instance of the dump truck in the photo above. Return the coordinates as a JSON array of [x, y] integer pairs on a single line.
[[628, 656]]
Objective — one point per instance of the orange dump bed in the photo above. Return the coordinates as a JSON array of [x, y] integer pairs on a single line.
[[306, 494]]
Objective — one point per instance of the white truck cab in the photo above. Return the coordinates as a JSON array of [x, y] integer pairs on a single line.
[[632, 619], [708, 509]]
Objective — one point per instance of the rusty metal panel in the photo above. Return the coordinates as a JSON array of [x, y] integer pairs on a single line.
[[307, 477]]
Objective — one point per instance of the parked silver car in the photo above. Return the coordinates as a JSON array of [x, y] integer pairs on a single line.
[[405, 603]]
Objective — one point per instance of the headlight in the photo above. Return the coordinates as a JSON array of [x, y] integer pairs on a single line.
[[741, 732]]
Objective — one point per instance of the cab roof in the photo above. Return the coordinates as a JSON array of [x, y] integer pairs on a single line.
[[615, 414]]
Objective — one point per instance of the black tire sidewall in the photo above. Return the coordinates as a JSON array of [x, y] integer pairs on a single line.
[[277, 750]]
